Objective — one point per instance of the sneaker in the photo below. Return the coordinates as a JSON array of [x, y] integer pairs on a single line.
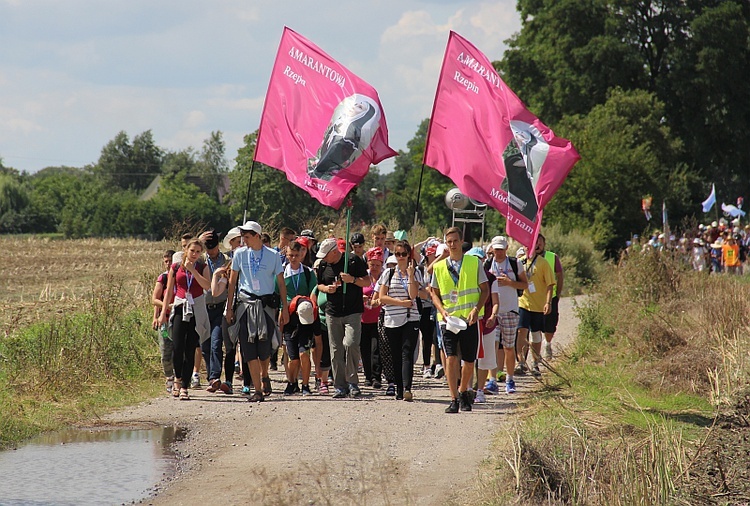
[[213, 386], [439, 371], [465, 402], [408, 397], [340, 394], [426, 373], [246, 390], [289, 390], [267, 390], [354, 391], [491, 387], [480, 398], [452, 407], [169, 384], [510, 386], [323, 389], [535, 371], [548, 351], [306, 389], [377, 384], [195, 382], [296, 388], [226, 388], [391, 390], [521, 369]]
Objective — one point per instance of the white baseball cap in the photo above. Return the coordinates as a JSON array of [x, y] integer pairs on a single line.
[[253, 226], [305, 312], [499, 242]]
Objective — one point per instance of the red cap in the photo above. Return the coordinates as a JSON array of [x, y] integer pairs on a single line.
[[304, 241]]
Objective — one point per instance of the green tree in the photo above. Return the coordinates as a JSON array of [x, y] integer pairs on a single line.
[[129, 166], [603, 192]]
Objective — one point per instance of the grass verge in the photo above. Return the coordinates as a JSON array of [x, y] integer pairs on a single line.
[[650, 406]]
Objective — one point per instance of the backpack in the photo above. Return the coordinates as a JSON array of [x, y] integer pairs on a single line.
[[513, 265]]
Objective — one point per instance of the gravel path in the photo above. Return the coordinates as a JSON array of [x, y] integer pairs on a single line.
[[373, 450]]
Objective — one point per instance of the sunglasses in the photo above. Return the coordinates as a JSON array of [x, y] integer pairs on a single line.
[[401, 254]]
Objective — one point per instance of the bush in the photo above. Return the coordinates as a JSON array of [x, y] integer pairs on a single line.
[[582, 263]]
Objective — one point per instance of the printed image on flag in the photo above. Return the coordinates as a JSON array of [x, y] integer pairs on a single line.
[[490, 145], [321, 124]]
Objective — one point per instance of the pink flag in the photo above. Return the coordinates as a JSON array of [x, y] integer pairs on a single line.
[[485, 140], [321, 125]]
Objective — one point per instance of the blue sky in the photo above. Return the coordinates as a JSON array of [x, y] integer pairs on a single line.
[[74, 73]]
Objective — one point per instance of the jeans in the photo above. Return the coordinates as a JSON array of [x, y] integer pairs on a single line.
[[212, 352], [344, 335]]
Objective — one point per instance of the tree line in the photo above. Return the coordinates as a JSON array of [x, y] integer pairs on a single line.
[[653, 94]]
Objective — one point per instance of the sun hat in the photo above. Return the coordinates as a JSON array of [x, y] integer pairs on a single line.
[[253, 226], [441, 249], [400, 235], [389, 236], [326, 247], [305, 312], [391, 260], [233, 232], [455, 324]]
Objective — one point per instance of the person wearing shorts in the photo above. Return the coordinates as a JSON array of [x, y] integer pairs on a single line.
[[459, 289], [534, 304], [508, 282], [551, 319], [255, 269], [299, 336]]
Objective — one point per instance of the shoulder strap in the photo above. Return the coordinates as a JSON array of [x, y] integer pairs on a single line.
[[513, 265], [308, 274], [391, 272]]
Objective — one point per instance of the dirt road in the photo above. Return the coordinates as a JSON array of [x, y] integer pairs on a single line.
[[317, 450]]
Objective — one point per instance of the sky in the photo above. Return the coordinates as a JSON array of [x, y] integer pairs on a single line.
[[74, 73]]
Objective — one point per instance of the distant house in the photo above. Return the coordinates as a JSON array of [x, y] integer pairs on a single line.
[[222, 189]]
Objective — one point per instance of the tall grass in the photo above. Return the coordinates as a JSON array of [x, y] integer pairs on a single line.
[[661, 351], [48, 368]]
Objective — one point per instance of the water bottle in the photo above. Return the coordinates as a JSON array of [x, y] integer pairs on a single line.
[[163, 331]]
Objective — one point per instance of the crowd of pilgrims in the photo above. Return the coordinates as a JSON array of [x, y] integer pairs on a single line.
[[718, 248], [335, 312]]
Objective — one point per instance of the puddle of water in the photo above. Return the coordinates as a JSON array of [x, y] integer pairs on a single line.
[[82, 467]]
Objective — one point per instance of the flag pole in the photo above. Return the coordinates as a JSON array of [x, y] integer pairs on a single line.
[[346, 249], [419, 192], [249, 183]]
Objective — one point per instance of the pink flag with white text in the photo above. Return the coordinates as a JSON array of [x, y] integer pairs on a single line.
[[321, 124], [485, 140]]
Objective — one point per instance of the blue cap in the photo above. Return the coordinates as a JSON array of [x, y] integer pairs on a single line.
[[476, 251]]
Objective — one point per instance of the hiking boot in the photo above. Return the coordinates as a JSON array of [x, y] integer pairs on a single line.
[[510, 386], [480, 398], [289, 390], [354, 391], [306, 389], [465, 403], [439, 371], [452, 407]]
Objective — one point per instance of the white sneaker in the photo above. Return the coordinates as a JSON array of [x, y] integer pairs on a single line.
[[480, 398], [548, 351], [195, 382], [439, 371], [426, 373]]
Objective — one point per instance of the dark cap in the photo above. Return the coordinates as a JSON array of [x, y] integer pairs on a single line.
[[357, 238]]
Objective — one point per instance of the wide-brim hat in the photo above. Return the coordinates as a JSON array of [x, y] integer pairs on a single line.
[[233, 232]]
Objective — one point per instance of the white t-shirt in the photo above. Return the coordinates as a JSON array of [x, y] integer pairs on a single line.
[[507, 295]]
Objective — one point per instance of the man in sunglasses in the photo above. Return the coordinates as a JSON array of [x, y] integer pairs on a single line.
[[258, 270]]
